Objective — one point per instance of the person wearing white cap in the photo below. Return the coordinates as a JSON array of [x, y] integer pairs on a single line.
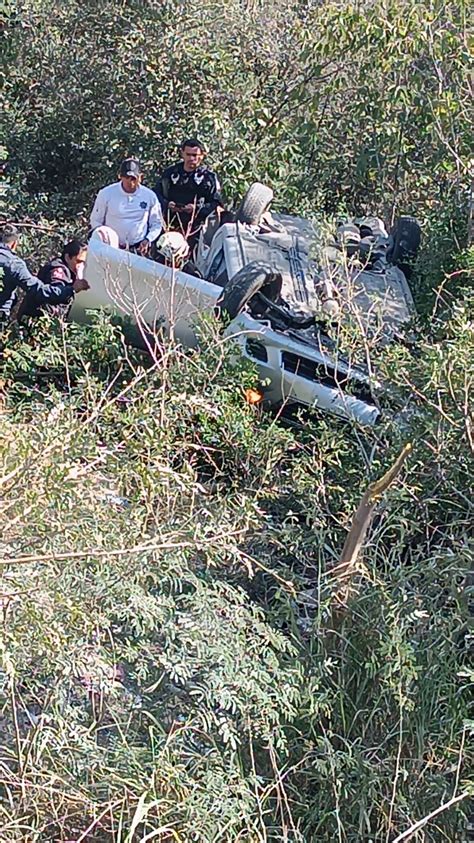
[[130, 209]]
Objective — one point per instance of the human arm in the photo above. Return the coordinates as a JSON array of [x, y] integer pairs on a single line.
[[162, 190], [99, 211], [155, 221], [45, 293], [213, 198]]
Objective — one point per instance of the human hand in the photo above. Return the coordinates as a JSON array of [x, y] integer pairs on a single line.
[[80, 284], [172, 206], [189, 208], [144, 247]]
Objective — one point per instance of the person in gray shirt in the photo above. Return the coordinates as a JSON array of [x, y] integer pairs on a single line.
[[15, 274]]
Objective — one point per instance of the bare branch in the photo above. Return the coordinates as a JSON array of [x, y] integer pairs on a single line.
[[363, 516], [416, 826]]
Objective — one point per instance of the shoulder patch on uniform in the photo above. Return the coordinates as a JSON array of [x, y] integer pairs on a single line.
[[58, 274]]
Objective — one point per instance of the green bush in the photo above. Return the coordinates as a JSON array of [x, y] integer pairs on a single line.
[[168, 664], [173, 664], [331, 104]]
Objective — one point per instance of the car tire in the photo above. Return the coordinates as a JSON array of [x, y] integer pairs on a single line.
[[405, 242], [251, 279], [256, 201]]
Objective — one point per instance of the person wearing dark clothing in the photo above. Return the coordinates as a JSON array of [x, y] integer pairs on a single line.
[[188, 191], [62, 272], [14, 274]]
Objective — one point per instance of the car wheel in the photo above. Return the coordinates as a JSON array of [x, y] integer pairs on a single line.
[[256, 201], [251, 279], [405, 242]]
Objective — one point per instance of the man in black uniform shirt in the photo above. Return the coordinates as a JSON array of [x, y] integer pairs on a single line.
[[64, 273], [188, 191], [14, 275]]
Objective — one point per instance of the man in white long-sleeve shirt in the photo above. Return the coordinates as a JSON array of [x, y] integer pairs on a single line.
[[130, 208]]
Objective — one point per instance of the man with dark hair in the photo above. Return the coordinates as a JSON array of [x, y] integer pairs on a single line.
[[14, 274], [188, 191], [63, 271], [130, 208]]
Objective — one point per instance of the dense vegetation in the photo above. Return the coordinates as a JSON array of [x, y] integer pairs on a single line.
[[177, 664]]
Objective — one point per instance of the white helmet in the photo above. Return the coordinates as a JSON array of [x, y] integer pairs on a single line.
[[173, 246], [348, 233], [107, 235]]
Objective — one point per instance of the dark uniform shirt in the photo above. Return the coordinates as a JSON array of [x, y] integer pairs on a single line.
[[14, 273], [200, 186], [56, 274]]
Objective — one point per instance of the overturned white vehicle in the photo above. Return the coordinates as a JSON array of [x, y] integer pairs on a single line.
[[280, 294]]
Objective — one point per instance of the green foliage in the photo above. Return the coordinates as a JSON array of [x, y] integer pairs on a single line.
[[332, 104], [167, 588], [172, 667]]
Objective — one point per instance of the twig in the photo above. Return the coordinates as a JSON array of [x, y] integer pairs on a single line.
[[96, 821], [444, 807], [460, 759], [470, 220], [33, 225], [282, 798], [363, 516], [16, 727], [287, 584], [397, 763], [255, 782], [118, 551], [303, 80]]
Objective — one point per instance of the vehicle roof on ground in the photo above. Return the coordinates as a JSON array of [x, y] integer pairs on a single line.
[[381, 301]]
